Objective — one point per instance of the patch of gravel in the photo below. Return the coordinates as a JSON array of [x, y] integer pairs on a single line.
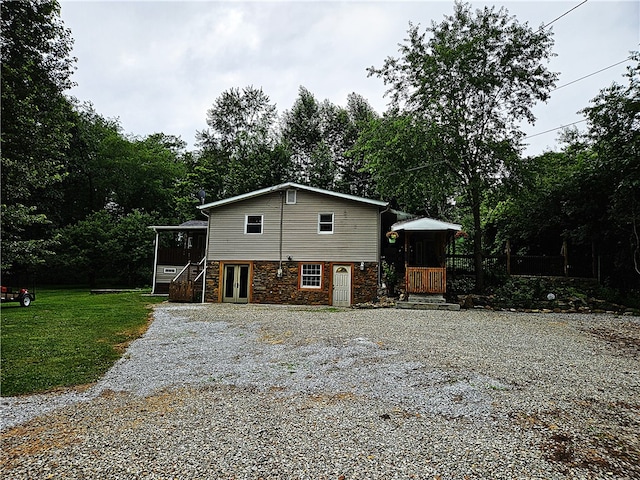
[[256, 391]]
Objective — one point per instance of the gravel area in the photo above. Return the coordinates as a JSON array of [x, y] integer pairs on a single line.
[[283, 392]]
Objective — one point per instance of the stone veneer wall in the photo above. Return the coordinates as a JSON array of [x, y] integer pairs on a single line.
[[212, 280], [268, 288], [365, 283]]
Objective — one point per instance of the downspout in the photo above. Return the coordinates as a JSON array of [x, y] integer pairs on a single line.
[[206, 256], [282, 195]]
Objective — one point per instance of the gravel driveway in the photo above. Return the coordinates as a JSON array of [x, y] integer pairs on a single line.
[[255, 391]]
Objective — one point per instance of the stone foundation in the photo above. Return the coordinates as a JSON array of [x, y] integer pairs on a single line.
[[267, 287]]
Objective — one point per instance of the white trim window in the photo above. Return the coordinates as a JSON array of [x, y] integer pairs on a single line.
[[325, 223], [311, 275], [291, 196], [253, 224]]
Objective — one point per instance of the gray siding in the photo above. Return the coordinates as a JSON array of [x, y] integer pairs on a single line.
[[355, 236], [162, 277]]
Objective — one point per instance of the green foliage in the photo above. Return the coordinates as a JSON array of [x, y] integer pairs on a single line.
[[240, 147], [320, 137], [518, 292], [67, 338], [390, 276], [105, 247], [400, 155], [588, 194], [21, 245], [470, 84], [35, 129]]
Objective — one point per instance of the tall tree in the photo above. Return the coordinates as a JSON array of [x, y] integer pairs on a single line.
[[395, 148], [302, 132], [614, 136], [320, 136], [36, 120], [242, 140], [471, 83], [354, 177]]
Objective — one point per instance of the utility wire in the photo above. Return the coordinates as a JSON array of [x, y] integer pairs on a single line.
[[554, 129], [591, 74], [565, 13], [570, 83], [420, 167]]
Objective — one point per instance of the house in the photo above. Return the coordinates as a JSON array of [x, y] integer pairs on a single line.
[[295, 244]]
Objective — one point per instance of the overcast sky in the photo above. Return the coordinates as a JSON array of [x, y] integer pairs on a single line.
[[158, 66]]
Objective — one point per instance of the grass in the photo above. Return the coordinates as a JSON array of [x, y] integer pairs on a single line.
[[67, 338]]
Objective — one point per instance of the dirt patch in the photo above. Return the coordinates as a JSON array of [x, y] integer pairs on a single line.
[[626, 339], [606, 442]]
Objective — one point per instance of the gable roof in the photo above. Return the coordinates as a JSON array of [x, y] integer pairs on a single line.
[[424, 224], [287, 186]]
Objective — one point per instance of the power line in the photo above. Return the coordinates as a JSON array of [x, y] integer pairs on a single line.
[[570, 83], [564, 14], [591, 74], [554, 129]]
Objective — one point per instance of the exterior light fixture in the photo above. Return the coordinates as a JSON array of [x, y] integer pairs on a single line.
[[362, 266]]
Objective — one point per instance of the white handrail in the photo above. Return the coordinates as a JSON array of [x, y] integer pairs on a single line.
[[181, 272]]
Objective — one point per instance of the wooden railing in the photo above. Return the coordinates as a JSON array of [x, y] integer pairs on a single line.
[[426, 280], [187, 285]]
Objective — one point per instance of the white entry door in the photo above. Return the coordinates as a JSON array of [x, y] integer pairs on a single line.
[[341, 285]]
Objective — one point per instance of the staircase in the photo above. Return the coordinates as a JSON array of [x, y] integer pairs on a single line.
[[419, 301], [187, 285]]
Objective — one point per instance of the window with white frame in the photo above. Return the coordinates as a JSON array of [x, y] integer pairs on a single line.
[[311, 275], [325, 223], [291, 196], [253, 224]]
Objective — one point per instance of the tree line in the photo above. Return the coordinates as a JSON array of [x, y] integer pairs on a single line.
[[78, 193]]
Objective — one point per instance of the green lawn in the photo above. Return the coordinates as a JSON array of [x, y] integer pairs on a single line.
[[67, 337]]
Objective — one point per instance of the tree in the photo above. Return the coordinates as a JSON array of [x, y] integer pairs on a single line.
[[105, 247], [395, 148], [36, 121], [302, 132], [470, 85], [614, 137], [320, 136], [105, 167], [242, 141], [354, 177]]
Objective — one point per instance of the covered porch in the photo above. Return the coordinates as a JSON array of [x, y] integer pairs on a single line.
[[179, 257], [424, 243]]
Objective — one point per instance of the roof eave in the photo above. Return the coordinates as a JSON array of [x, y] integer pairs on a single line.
[[286, 186]]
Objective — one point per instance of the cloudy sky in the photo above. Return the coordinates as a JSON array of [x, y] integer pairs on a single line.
[[159, 65]]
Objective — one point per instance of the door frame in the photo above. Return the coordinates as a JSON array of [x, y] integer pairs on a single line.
[[222, 278], [351, 268]]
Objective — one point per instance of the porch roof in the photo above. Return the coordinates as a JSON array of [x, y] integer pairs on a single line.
[[424, 224], [189, 225]]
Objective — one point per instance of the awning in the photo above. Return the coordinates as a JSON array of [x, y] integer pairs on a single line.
[[424, 225]]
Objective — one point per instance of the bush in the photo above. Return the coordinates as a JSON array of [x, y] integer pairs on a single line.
[[520, 292]]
